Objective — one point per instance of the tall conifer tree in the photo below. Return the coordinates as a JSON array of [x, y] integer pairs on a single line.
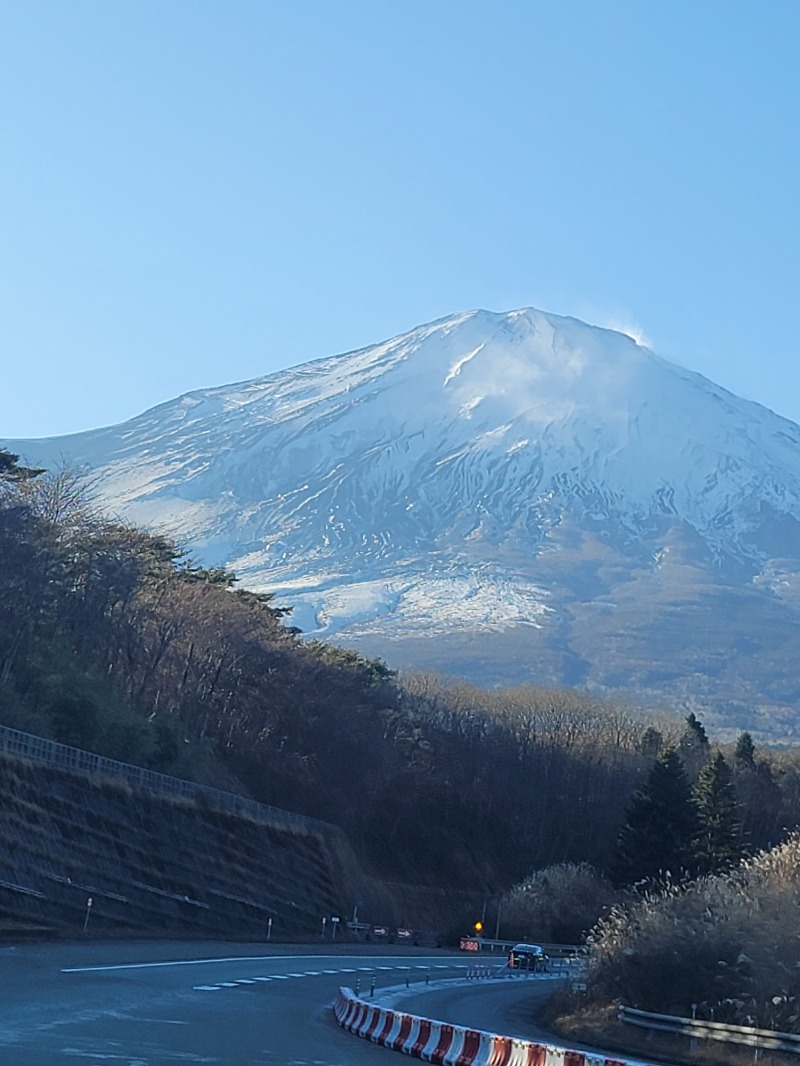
[[693, 746], [660, 830], [719, 837], [745, 754]]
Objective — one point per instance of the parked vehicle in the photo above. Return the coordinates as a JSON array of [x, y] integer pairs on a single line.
[[527, 957]]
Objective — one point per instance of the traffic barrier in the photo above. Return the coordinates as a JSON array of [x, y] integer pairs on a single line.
[[453, 1053], [394, 1029], [526, 1054], [382, 1030], [452, 1045], [353, 1008], [340, 1006], [413, 1034], [358, 1018], [444, 1033], [423, 1036], [469, 1049], [398, 1039], [374, 1018], [499, 1053]]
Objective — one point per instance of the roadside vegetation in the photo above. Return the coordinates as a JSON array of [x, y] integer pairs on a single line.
[[699, 926], [720, 947], [727, 942]]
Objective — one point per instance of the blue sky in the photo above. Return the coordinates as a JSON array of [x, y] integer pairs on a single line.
[[200, 192]]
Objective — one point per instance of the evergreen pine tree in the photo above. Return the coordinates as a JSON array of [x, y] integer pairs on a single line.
[[719, 837], [651, 742], [693, 746], [745, 753], [660, 831]]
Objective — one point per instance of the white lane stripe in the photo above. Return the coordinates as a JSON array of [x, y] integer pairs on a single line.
[[388, 967], [206, 988], [345, 970], [262, 978], [280, 977], [178, 962], [337, 971], [312, 973], [227, 984], [295, 975], [245, 981], [203, 962], [366, 969]]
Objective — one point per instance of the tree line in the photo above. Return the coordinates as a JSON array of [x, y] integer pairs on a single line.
[[114, 639]]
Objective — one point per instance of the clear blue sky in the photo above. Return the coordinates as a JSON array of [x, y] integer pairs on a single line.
[[199, 192]]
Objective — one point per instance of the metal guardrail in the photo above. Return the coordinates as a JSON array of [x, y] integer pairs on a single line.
[[37, 749], [760, 1039], [485, 944]]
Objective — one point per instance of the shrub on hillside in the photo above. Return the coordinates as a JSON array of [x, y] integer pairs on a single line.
[[727, 943], [557, 904]]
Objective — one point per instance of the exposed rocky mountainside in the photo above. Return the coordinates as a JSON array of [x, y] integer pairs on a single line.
[[510, 497]]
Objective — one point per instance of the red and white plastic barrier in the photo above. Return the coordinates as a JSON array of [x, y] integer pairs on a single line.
[[451, 1045]]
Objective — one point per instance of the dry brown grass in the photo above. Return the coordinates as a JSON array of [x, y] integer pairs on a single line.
[[728, 943]]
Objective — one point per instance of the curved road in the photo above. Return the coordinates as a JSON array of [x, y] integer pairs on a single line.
[[146, 1004], [162, 1004]]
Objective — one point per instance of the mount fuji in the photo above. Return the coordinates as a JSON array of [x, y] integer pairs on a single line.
[[507, 497]]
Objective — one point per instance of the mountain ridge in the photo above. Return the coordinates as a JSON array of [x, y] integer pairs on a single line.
[[486, 472]]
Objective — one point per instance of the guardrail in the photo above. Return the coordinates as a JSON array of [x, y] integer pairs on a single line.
[[760, 1039], [63, 757], [483, 944]]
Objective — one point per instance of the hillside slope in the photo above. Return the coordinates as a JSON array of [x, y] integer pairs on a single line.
[[166, 867]]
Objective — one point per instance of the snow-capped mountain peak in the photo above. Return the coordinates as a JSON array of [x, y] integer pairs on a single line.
[[455, 476]]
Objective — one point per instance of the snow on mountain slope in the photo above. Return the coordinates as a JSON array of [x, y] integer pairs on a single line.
[[455, 477]]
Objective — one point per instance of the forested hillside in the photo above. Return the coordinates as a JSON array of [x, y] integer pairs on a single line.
[[112, 639]]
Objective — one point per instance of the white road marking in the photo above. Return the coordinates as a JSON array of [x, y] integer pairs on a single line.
[[262, 978], [227, 984], [295, 975], [190, 962], [206, 988], [245, 981], [176, 962], [227, 958]]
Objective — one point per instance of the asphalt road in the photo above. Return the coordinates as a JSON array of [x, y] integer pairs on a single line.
[[163, 1004], [227, 1005]]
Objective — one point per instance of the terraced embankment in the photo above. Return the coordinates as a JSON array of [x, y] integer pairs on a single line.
[[157, 865]]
